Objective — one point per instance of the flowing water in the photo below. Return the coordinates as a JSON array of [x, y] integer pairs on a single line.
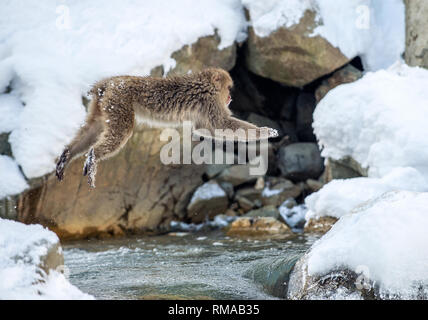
[[205, 265]]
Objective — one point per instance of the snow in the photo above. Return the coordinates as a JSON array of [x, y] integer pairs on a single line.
[[379, 121], [208, 190], [339, 197], [11, 179], [293, 216], [51, 53], [267, 192], [373, 30], [386, 237], [268, 16], [21, 250]]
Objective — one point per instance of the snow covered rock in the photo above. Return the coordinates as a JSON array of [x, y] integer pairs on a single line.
[[289, 54], [277, 190], [298, 41], [378, 250], [207, 201], [31, 264], [379, 123]]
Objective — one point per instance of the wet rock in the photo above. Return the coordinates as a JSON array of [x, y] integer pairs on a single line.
[[267, 211], [416, 35], [273, 276], [278, 191], [300, 161], [291, 55], [347, 74], [207, 201], [304, 117], [257, 227], [319, 225], [336, 285]]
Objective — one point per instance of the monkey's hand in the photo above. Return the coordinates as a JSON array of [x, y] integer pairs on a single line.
[[90, 168], [60, 166], [272, 133]]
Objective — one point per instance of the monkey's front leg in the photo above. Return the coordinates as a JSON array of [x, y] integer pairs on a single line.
[[90, 168]]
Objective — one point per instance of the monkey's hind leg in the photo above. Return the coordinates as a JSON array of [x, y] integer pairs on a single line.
[[119, 128], [86, 137]]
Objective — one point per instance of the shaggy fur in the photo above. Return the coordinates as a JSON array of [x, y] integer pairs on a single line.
[[117, 103]]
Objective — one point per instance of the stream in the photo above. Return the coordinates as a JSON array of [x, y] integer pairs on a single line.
[[201, 265]]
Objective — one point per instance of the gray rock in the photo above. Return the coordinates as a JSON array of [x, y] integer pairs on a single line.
[[237, 175], [228, 188], [250, 193], [244, 203], [291, 55], [343, 169], [300, 161], [212, 170], [267, 211], [5, 148]]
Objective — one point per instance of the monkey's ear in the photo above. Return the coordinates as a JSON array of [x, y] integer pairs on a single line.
[[216, 79]]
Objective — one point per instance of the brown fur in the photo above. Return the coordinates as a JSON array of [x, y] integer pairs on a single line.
[[117, 103]]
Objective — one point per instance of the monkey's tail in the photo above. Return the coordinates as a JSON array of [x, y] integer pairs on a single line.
[[97, 89]]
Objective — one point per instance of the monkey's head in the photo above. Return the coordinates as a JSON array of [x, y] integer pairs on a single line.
[[222, 82]]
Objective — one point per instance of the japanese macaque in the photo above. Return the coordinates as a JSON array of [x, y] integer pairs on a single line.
[[118, 102]]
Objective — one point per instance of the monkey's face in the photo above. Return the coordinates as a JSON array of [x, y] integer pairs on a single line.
[[223, 83]]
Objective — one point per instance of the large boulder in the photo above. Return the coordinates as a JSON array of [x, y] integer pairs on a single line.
[[300, 161], [416, 35], [135, 192], [292, 56]]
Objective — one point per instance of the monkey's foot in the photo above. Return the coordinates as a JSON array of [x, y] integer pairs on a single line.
[[90, 168], [272, 133], [60, 166]]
